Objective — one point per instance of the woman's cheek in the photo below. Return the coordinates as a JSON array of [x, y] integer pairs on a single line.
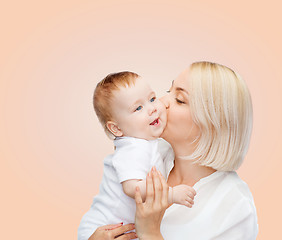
[[182, 120]]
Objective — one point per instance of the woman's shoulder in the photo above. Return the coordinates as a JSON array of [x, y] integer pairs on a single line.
[[237, 200], [232, 204], [233, 194], [234, 184], [225, 188]]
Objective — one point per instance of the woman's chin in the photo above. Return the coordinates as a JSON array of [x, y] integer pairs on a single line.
[[164, 135]]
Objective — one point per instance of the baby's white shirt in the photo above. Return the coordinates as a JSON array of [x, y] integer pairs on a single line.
[[133, 158]]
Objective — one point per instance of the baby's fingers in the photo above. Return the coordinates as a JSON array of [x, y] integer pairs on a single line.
[[192, 190], [190, 194], [190, 201], [188, 204]]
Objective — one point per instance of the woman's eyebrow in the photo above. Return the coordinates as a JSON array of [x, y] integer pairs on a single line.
[[181, 89]]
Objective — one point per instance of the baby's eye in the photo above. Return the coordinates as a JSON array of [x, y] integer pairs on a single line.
[[138, 108], [152, 99]]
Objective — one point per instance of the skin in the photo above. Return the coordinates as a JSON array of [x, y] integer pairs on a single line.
[[135, 109], [114, 231], [181, 133], [150, 213]]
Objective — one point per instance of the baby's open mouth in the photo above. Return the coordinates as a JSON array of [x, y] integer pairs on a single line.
[[155, 122]]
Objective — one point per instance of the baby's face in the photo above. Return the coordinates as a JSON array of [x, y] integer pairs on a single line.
[[138, 112]]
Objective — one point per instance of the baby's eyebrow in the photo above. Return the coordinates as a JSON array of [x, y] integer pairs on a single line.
[[138, 101]]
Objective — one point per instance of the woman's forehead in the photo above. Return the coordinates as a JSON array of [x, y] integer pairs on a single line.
[[182, 81]]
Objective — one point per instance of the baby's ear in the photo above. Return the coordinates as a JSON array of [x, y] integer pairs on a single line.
[[114, 129]]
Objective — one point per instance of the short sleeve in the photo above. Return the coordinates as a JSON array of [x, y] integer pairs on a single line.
[[240, 223], [133, 162]]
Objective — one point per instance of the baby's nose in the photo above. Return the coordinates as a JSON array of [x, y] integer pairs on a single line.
[[152, 109]]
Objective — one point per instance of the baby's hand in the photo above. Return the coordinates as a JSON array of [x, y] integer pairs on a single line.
[[184, 195]]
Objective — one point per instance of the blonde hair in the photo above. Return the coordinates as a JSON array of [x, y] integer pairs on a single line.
[[104, 95], [221, 107]]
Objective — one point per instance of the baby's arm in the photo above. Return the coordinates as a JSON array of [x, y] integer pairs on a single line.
[[129, 187], [180, 194]]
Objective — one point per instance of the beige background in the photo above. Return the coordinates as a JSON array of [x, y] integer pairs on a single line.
[[52, 54]]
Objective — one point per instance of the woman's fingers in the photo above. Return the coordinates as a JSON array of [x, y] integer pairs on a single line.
[[157, 186], [111, 226], [165, 190], [149, 189], [126, 236], [138, 197], [138, 200], [123, 229]]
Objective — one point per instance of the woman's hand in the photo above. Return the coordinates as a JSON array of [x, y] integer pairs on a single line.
[[116, 231], [150, 213]]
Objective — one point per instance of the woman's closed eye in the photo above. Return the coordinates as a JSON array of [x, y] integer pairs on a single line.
[[179, 101]]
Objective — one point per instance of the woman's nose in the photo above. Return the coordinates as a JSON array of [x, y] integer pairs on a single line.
[[165, 101]]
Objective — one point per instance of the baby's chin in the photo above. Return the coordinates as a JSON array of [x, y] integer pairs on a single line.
[[160, 135]]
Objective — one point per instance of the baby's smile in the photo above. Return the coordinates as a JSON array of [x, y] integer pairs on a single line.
[[156, 122]]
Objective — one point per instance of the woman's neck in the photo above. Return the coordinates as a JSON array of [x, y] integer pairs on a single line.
[[185, 171]]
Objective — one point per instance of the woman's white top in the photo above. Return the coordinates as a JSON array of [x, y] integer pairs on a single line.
[[223, 209]]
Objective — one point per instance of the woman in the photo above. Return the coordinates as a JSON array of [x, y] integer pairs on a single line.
[[209, 126]]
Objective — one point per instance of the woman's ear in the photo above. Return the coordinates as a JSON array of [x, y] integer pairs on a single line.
[[114, 129]]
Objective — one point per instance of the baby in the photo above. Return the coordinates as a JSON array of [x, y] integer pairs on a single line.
[[132, 115]]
